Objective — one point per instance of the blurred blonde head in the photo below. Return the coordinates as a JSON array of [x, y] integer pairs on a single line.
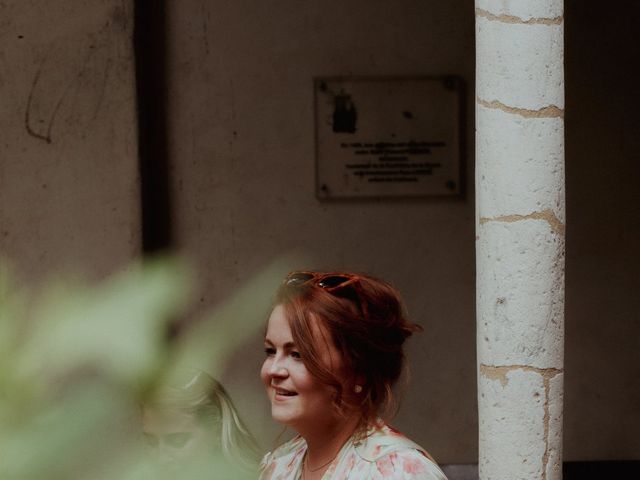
[[195, 415]]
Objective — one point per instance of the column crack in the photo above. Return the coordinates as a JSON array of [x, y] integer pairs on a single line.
[[499, 372], [545, 215], [550, 111], [503, 18]]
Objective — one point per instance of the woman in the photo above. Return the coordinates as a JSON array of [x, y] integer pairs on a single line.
[[333, 352], [193, 420]]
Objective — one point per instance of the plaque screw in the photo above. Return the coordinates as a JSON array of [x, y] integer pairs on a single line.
[[451, 185]]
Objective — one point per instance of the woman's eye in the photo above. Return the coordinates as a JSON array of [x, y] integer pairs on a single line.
[[270, 351], [295, 354]]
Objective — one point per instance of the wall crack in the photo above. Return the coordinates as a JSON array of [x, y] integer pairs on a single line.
[[546, 215], [503, 18], [550, 111]]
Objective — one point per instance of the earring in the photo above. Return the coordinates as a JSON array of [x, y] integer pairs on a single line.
[[357, 388]]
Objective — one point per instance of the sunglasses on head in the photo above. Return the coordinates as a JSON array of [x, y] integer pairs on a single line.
[[326, 281], [329, 282]]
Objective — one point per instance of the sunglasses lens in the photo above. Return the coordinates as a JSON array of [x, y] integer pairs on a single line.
[[333, 281], [298, 279]]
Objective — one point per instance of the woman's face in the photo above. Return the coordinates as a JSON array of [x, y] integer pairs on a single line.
[[298, 399]]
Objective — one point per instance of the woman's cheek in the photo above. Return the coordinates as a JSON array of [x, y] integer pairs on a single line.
[[264, 372]]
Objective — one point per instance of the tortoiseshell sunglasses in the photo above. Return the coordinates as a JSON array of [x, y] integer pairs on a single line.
[[327, 281], [330, 282]]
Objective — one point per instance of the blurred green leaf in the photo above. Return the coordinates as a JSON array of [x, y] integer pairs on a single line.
[[77, 361], [118, 328]]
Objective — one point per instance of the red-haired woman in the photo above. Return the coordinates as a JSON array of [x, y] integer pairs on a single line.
[[333, 352]]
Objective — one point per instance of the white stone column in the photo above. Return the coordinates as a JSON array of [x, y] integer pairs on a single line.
[[520, 237]]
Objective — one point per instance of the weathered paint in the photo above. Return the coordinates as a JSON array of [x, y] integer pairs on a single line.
[[68, 176]]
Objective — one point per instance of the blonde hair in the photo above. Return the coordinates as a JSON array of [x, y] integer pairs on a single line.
[[198, 394]]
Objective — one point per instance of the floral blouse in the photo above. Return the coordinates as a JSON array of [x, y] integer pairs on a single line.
[[385, 454]]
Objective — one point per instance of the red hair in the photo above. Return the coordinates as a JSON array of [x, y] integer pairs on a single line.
[[367, 323]]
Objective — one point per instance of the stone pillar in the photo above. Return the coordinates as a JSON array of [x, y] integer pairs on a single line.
[[520, 237]]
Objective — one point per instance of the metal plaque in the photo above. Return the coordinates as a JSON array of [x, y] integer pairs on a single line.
[[387, 137]]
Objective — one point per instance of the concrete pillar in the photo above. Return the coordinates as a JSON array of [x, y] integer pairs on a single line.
[[520, 237]]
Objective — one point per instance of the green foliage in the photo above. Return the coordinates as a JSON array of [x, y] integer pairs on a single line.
[[77, 361]]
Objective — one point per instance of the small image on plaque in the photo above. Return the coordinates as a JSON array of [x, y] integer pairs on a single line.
[[387, 137]]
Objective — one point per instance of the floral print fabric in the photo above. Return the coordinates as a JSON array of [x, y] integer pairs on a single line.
[[385, 454]]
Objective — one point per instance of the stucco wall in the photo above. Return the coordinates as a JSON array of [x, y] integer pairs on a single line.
[[602, 352], [242, 136], [68, 169]]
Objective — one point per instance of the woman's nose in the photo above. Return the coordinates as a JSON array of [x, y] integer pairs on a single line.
[[278, 369]]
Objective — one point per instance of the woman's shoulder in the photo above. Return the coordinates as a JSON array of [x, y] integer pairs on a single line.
[[396, 456], [282, 458], [383, 439]]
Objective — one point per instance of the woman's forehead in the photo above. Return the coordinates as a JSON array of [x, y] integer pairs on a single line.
[[278, 328], [279, 333]]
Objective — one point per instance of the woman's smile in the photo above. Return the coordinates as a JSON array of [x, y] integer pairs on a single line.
[[283, 394]]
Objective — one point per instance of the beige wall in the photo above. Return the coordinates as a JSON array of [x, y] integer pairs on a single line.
[[602, 354], [68, 167], [242, 136]]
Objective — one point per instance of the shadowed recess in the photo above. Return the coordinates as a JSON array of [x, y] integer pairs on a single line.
[[151, 92]]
